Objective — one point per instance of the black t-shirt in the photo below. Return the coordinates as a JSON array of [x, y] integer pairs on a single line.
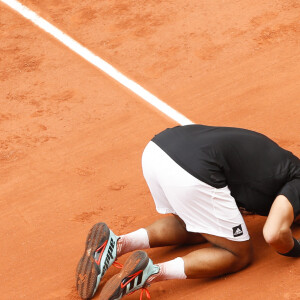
[[254, 168]]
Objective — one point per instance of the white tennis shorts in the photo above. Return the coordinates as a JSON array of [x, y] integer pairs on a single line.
[[203, 208]]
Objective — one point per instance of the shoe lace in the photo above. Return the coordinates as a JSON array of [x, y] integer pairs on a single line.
[[143, 289], [100, 250], [146, 292], [117, 265]]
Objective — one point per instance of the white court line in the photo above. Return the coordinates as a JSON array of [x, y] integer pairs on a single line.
[[98, 62]]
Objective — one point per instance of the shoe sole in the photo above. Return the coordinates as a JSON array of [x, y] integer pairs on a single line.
[[112, 289], [87, 270]]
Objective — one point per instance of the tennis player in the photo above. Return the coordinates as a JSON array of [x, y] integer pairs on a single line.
[[201, 177]]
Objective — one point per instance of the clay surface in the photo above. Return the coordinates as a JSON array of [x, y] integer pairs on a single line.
[[71, 138]]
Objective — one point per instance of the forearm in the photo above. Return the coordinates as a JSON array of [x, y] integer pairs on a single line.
[[277, 230]]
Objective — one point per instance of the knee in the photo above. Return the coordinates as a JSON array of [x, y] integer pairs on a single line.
[[247, 259], [244, 258]]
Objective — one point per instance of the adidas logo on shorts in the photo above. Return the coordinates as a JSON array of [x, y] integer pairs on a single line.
[[237, 230]]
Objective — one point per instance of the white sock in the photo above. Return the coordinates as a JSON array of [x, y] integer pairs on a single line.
[[173, 269], [136, 240]]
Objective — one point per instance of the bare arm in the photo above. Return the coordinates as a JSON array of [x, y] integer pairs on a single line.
[[277, 230]]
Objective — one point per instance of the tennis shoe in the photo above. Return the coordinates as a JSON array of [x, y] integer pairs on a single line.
[[136, 271], [99, 254]]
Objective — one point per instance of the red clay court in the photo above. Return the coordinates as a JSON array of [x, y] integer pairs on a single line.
[[71, 138]]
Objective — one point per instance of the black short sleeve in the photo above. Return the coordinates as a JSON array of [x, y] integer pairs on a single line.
[[254, 167], [291, 190]]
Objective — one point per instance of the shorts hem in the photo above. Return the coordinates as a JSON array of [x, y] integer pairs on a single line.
[[164, 211], [206, 231]]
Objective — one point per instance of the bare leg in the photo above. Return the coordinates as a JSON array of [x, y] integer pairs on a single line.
[[167, 231], [171, 230], [224, 257]]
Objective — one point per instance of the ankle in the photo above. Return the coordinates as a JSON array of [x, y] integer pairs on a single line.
[[137, 240], [173, 269]]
